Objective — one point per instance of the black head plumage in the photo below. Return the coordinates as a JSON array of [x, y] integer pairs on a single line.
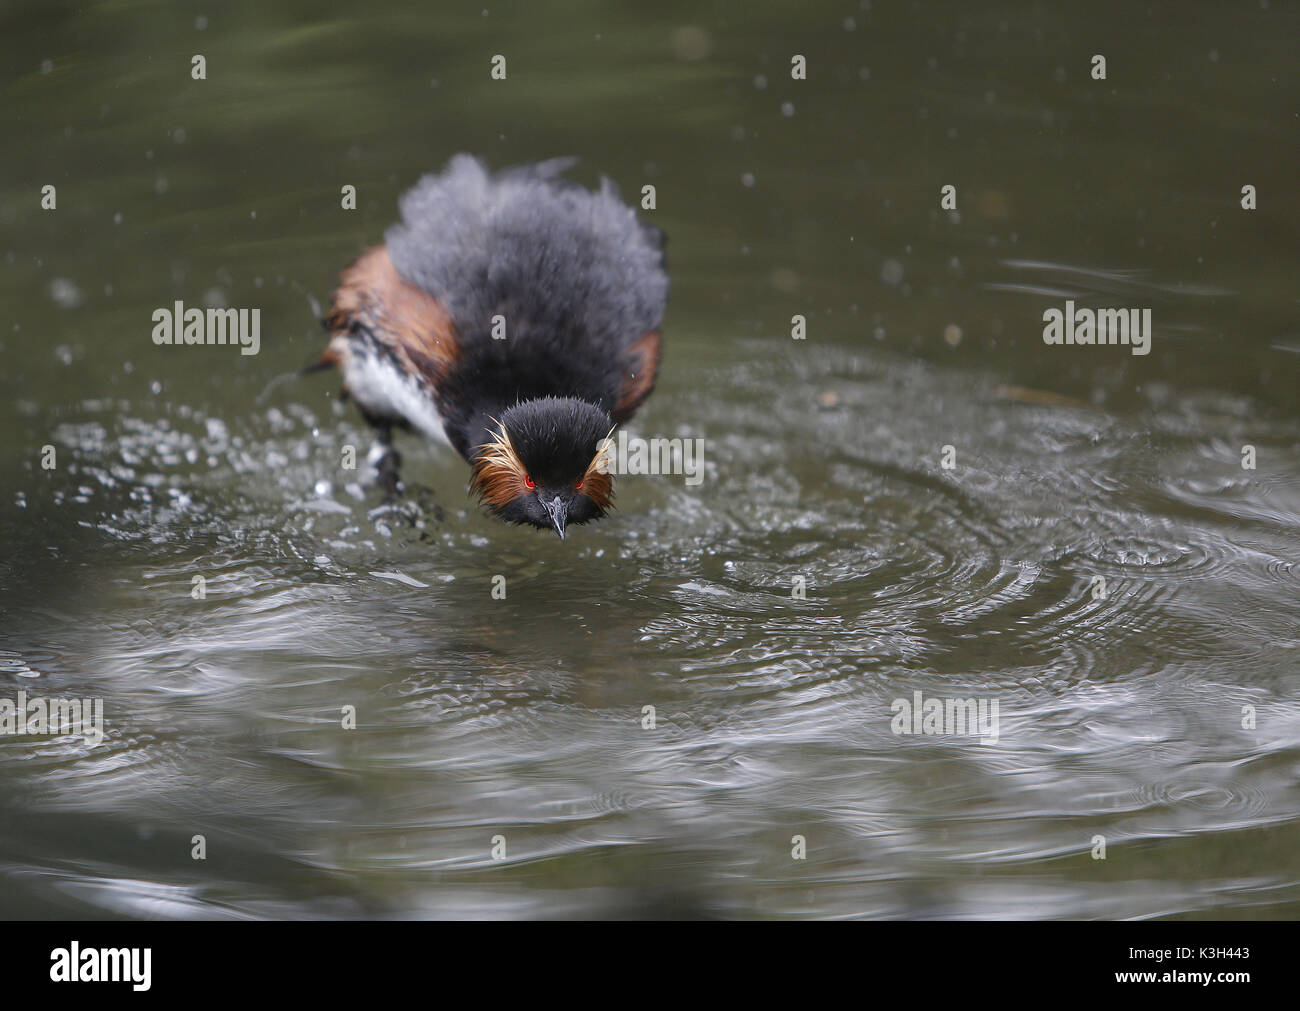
[[547, 464]]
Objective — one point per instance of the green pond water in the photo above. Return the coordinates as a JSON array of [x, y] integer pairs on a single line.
[[1068, 531]]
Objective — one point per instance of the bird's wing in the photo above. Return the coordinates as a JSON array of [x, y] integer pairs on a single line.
[[374, 300], [640, 369]]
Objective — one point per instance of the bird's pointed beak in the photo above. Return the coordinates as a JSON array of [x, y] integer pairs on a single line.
[[559, 514]]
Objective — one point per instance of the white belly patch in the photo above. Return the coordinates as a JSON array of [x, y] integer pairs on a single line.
[[375, 383]]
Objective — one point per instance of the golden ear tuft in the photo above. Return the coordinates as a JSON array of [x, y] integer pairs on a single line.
[[597, 485], [497, 475]]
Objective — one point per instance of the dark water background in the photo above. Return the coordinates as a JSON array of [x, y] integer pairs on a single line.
[[1120, 716]]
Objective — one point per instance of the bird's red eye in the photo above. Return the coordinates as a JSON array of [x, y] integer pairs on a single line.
[[578, 486], [528, 481]]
